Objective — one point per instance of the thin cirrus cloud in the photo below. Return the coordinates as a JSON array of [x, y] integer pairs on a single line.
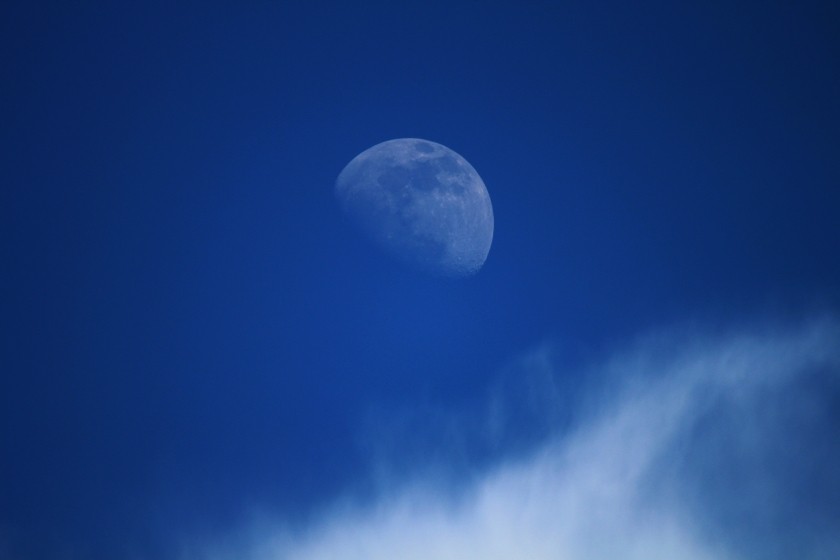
[[689, 447]]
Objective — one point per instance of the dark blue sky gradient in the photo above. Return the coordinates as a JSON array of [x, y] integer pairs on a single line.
[[189, 328]]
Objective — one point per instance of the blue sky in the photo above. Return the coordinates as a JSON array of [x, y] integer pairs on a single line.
[[200, 359]]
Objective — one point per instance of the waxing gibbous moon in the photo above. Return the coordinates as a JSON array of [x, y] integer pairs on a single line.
[[421, 203]]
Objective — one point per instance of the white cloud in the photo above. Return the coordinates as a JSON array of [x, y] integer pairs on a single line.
[[637, 476]]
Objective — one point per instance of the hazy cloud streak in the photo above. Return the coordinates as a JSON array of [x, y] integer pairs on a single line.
[[636, 477]]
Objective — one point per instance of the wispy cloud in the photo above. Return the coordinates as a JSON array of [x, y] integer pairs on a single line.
[[685, 446]]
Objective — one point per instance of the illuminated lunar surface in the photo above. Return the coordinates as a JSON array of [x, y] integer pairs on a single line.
[[422, 203]]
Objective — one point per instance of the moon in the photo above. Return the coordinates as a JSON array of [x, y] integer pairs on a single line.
[[420, 202]]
